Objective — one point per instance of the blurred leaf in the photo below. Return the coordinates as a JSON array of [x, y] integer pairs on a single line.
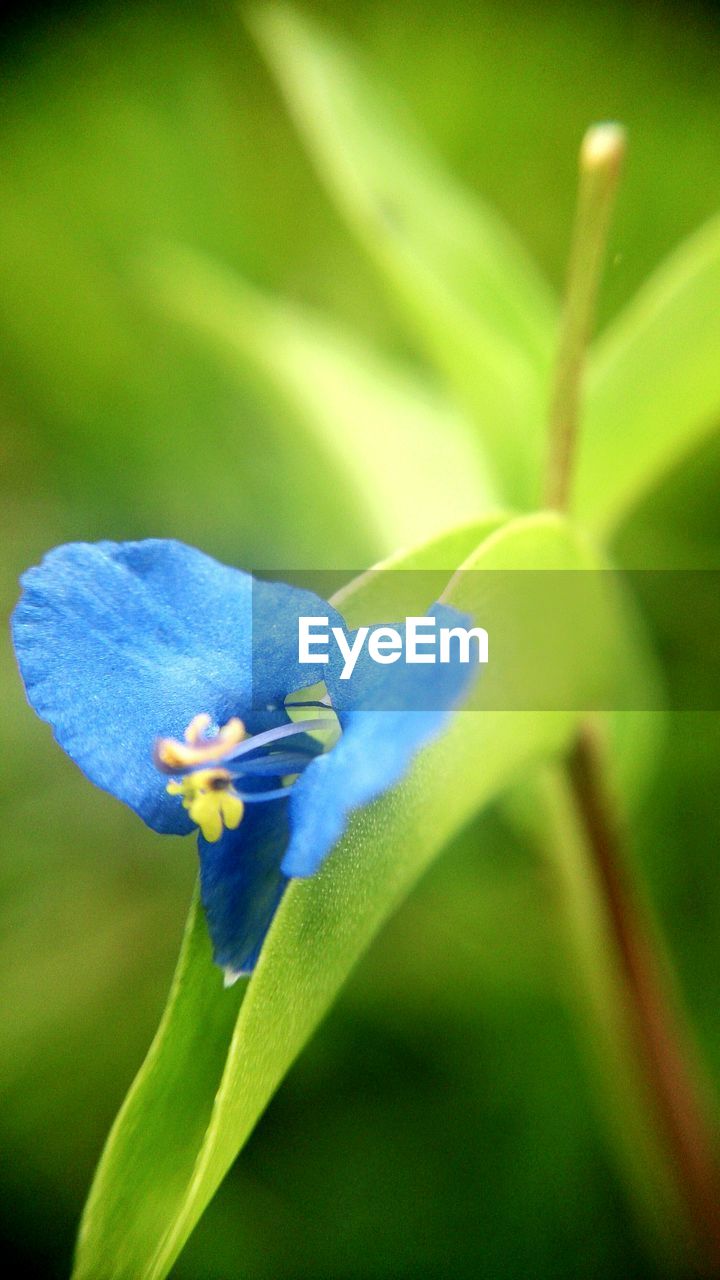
[[653, 388], [186, 1118], [465, 286], [409, 456]]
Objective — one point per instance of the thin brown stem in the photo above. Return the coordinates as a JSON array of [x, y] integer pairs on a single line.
[[680, 1112], [683, 1126]]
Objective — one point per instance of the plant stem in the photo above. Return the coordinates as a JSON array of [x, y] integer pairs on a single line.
[[679, 1114], [601, 157], [678, 1106]]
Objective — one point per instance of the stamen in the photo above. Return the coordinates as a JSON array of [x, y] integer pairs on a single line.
[[173, 756], [274, 735], [208, 794], [273, 765], [279, 793], [210, 800]]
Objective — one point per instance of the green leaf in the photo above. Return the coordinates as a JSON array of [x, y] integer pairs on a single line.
[[150, 1153], [464, 284], [413, 462], [653, 387], [212, 1070]]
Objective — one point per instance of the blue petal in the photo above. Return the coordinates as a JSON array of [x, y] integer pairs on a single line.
[[376, 747], [242, 884], [119, 643]]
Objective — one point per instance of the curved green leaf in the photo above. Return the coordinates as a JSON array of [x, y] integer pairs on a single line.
[[465, 285], [188, 1115], [653, 386], [414, 463]]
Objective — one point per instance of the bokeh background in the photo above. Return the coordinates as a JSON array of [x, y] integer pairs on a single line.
[[443, 1120]]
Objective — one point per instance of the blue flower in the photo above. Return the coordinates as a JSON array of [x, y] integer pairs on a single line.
[[165, 677]]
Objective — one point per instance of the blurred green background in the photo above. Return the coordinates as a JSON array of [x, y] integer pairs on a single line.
[[443, 1122]]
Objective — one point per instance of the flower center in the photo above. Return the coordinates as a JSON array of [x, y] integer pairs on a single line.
[[209, 765]]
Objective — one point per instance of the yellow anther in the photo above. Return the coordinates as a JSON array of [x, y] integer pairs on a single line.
[[174, 756], [210, 801]]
